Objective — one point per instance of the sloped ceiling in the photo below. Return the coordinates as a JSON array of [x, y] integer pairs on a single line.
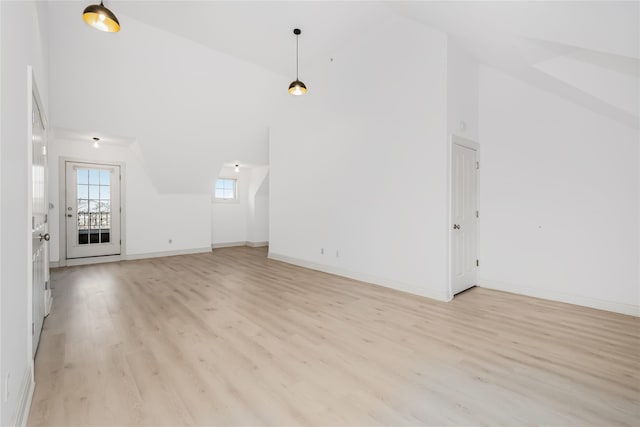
[[585, 52], [260, 32], [196, 83]]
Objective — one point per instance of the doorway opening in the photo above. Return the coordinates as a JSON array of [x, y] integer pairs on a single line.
[[240, 206]]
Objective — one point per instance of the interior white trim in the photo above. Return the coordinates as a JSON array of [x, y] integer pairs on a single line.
[[72, 262], [236, 244], [257, 244], [62, 222], [227, 245], [616, 307], [131, 257], [48, 302], [27, 387], [362, 277], [464, 142]]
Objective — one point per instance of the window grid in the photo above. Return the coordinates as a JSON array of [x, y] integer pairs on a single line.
[[94, 206], [226, 189]]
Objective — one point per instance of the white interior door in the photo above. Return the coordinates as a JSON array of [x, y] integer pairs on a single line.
[[92, 209], [39, 225], [463, 218]]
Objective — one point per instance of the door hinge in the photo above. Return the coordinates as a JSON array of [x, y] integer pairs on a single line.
[[477, 165], [33, 222], [33, 329], [46, 218], [46, 285], [477, 263], [477, 214]]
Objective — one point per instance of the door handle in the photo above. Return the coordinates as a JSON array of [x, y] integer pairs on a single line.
[[45, 237], [456, 226], [70, 215]]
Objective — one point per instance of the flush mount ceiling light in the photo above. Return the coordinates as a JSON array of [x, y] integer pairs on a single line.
[[297, 87], [95, 142], [101, 18], [237, 168]]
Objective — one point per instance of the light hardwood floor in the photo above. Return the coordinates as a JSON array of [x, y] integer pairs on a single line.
[[232, 338]]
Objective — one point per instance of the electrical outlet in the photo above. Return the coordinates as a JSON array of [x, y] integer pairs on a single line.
[[321, 251], [170, 241], [337, 254]]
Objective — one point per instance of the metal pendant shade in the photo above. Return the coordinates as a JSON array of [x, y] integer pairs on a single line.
[[101, 18], [297, 87]]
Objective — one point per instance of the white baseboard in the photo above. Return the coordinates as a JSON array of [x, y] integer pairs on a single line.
[[24, 398], [130, 257], [616, 307], [72, 262], [48, 301], [236, 244], [387, 283], [227, 245]]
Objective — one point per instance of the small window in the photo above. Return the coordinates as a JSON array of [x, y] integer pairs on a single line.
[[226, 189]]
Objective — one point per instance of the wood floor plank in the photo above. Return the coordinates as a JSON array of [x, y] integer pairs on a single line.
[[232, 338]]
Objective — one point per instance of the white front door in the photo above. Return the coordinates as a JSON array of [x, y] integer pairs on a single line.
[[92, 209], [39, 225], [463, 218]]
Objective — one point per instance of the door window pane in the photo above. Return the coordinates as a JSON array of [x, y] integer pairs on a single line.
[[94, 206], [83, 191], [94, 177], [105, 206], [83, 176], [94, 192], [105, 177], [83, 206], [105, 192]]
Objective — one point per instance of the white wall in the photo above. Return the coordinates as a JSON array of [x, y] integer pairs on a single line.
[[152, 218], [246, 219], [189, 107], [358, 165], [258, 213], [559, 198], [23, 38], [462, 92]]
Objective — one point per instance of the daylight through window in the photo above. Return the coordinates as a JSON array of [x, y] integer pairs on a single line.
[[226, 189]]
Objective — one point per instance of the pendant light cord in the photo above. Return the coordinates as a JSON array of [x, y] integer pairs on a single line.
[[297, 57]]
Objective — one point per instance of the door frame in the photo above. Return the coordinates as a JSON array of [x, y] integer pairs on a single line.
[[62, 223], [473, 145]]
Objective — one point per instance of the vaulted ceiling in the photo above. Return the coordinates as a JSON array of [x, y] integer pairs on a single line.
[[203, 77], [588, 52]]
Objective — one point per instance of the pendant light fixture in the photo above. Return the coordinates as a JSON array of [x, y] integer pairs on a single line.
[[297, 87], [101, 18]]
